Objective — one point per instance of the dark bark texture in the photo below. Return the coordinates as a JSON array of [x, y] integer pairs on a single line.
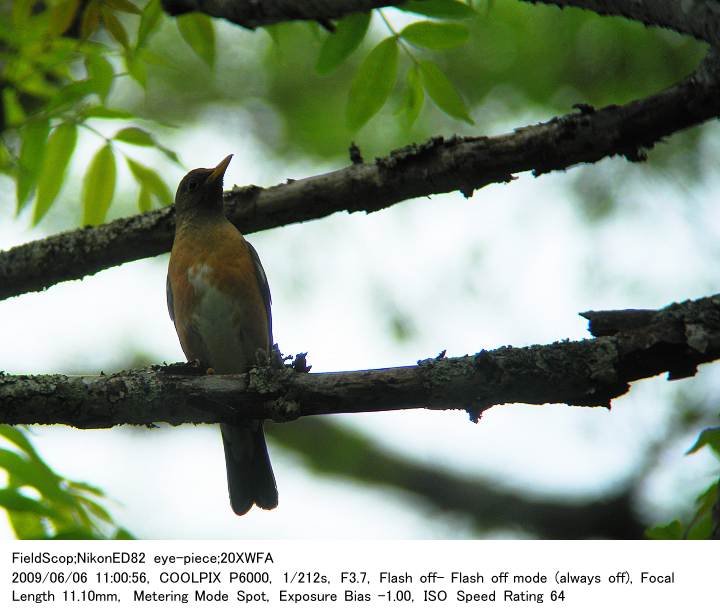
[[697, 18], [675, 340], [254, 13], [436, 166]]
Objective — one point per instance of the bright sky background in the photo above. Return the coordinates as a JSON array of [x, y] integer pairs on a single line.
[[513, 265]]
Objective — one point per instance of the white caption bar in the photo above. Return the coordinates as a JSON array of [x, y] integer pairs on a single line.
[[385, 577]]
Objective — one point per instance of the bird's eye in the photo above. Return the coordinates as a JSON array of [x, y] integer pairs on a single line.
[[191, 185]]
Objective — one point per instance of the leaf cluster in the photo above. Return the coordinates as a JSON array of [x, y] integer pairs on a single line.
[[377, 75], [62, 61], [41, 504], [702, 524]]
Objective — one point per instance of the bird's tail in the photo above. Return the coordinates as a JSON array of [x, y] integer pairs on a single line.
[[249, 473]]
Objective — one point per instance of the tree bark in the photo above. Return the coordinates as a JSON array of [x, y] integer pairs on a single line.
[[700, 19], [676, 340], [436, 166], [251, 14]]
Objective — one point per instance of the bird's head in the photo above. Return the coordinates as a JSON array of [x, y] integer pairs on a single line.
[[200, 191]]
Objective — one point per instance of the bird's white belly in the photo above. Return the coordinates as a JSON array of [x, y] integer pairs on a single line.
[[216, 319]]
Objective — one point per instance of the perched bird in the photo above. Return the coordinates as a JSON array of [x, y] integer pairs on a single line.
[[219, 299]]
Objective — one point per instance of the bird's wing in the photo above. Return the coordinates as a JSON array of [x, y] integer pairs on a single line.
[[169, 294], [264, 287]]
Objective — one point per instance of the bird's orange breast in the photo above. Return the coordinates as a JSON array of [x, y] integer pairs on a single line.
[[220, 315]]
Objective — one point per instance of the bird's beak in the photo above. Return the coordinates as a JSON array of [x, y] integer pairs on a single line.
[[219, 171]]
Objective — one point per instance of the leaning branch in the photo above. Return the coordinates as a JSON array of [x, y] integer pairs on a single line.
[[698, 18], [265, 12], [675, 339], [437, 166], [483, 501]]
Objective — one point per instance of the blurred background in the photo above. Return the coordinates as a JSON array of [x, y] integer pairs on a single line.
[[513, 265]]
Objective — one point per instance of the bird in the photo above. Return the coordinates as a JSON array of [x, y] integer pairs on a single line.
[[219, 300]]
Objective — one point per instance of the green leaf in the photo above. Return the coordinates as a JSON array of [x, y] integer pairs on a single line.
[[144, 200], [198, 31], [674, 530], [12, 500], [33, 136], [100, 111], [136, 136], [99, 186], [707, 499], [71, 94], [21, 11], [123, 534], [443, 92], [59, 150], [274, 31], [33, 473], [149, 22], [100, 74], [14, 113], [433, 35], [95, 509], [349, 33], [76, 533], [710, 437], [115, 27], [123, 5], [150, 182], [137, 68], [415, 96], [62, 15], [442, 9], [372, 83], [17, 437], [85, 487], [170, 154], [90, 20]]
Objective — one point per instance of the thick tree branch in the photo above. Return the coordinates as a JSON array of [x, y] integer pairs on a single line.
[[437, 166], [583, 373], [251, 14], [488, 505], [698, 18]]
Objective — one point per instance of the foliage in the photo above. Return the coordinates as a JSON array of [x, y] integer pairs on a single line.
[[62, 65], [64, 61], [70, 64], [702, 523], [40, 504], [71, 69]]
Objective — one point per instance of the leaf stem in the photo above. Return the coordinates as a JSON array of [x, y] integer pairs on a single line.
[[395, 33]]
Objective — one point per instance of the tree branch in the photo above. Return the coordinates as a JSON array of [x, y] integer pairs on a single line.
[[437, 166], [583, 373], [697, 18], [488, 505], [251, 14], [700, 19]]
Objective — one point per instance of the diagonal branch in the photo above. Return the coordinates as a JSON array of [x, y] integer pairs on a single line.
[[437, 166], [698, 18], [583, 373], [265, 12], [487, 504]]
